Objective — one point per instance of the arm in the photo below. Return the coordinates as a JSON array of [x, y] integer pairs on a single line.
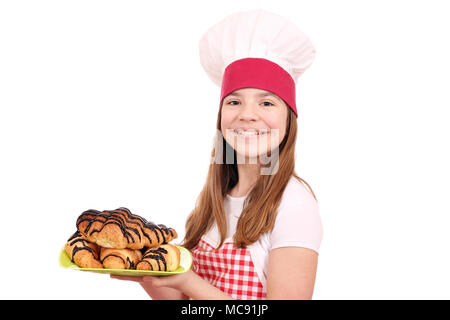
[[291, 273]]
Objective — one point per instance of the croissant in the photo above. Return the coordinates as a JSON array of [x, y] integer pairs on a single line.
[[121, 229], [119, 258], [165, 257], [83, 253]]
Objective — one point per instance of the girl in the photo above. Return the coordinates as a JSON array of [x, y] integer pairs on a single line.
[[255, 231]]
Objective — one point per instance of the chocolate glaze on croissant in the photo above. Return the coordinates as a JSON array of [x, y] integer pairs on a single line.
[[121, 229], [165, 257], [119, 258], [83, 253]]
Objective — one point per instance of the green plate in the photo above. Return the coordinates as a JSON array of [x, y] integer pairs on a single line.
[[185, 265]]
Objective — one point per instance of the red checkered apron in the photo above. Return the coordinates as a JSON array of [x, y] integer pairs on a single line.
[[229, 269]]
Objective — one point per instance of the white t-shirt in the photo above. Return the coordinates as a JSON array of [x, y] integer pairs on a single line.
[[298, 224]]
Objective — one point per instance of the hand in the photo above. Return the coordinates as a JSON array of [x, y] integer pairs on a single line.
[[178, 287], [189, 284], [126, 278], [155, 289], [176, 281]]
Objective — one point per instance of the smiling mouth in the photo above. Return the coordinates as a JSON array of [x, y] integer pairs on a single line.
[[250, 133]]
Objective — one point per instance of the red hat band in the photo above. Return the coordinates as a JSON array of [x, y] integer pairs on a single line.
[[262, 74]]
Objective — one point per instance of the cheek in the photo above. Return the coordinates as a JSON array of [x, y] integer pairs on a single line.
[[224, 124], [278, 124], [225, 119]]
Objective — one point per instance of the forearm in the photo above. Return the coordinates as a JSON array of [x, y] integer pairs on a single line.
[[199, 289]]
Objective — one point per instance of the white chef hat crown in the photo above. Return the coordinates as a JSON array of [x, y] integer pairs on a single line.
[[256, 49]]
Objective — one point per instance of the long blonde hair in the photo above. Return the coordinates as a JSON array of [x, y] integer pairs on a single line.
[[261, 204]]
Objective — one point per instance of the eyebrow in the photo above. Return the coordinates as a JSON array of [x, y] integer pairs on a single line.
[[264, 94]]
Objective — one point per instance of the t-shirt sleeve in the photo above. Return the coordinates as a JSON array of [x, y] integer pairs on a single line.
[[298, 223]]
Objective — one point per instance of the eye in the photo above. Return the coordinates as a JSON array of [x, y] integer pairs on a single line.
[[270, 103]]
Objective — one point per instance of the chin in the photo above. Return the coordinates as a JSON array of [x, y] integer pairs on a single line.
[[249, 157]]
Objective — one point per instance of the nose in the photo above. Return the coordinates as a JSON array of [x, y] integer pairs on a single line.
[[248, 112]]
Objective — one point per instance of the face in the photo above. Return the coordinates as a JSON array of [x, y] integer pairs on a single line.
[[253, 122]]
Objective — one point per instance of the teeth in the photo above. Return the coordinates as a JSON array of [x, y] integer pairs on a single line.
[[251, 132]]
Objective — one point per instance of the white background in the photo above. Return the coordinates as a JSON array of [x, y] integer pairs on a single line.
[[105, 104]]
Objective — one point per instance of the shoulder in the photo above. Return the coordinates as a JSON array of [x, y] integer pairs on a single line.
[[297, 195], [298, 222]]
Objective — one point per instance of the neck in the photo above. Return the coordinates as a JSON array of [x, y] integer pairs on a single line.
[[248, 175]]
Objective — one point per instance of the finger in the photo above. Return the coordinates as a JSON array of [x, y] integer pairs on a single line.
[[154, 281], [126, 278], [148, 278]]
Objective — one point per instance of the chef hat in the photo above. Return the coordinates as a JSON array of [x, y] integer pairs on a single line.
[[256, 49]]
